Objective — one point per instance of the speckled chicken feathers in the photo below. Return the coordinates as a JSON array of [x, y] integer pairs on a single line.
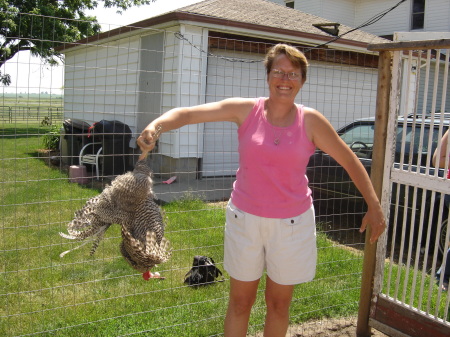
[[128, 201], [145, 253]]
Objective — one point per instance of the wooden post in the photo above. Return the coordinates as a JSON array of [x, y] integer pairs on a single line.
[[381, 119]]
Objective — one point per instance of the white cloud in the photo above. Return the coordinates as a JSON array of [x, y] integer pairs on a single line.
[[109, 19]]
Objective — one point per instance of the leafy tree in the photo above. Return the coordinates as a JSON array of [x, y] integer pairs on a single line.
[[41, 25]]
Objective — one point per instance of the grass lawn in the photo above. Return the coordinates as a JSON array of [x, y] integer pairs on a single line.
[[79, 295], [34, 108]]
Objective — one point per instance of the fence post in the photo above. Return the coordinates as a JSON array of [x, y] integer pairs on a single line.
[[381, 119]]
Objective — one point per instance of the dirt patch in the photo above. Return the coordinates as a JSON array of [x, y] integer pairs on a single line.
[[218, 204], [50, 157], [338, 327]]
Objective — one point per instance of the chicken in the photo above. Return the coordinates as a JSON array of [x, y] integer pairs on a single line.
[[143, 244], [128, 201]]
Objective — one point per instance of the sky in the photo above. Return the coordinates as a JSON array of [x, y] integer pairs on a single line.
[[28, 74], [109, 19]]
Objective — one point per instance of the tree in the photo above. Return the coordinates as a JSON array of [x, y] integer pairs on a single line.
[[41, 25]]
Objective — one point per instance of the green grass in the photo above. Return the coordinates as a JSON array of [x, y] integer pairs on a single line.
[[80, 295]]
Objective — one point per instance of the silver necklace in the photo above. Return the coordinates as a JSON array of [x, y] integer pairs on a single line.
[[276, 141], [277, 135]]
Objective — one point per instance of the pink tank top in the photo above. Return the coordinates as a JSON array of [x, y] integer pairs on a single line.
[[448, 172], [271, 180]]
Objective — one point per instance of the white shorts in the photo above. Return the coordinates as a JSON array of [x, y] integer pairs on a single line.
[[285, 247]]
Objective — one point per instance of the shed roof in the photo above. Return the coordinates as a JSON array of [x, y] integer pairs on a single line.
[[271, 15], [259, 15]]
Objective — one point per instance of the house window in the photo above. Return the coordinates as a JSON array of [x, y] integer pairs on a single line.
[[418, 14], [289, 3]]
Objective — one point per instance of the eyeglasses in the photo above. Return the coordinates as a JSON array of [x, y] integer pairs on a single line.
[[280, 74]]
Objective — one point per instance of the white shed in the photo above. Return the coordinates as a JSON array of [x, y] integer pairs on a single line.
[[205, 52]]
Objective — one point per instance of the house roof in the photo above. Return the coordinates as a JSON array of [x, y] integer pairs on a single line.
[[259, 15]]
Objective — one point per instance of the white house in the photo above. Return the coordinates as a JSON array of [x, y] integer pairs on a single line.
[[406, 15], [395, 20], [205, 52]]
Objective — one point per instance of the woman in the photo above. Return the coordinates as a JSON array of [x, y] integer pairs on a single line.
[[270, 218], [439, 161]]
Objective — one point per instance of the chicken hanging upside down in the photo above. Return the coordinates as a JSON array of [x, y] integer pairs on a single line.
[[128, 201]]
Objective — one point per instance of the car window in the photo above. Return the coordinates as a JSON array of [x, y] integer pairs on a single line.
[[359, 133], [412, 138], [360, 139], [413, 146]]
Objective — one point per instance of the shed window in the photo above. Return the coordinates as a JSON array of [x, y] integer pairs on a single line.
[[418, 14], [290, 4]]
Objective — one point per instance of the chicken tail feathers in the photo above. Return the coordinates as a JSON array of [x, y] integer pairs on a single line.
[[95, 235], [77, 247], [160, 252], [148, 253]]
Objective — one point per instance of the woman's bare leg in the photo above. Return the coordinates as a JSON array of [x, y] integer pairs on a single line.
[[242, 298], [278, 301]]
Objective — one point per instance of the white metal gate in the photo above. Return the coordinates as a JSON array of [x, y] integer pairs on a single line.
[[413, 95]]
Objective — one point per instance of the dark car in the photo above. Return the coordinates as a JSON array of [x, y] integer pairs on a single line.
[[332, 186]]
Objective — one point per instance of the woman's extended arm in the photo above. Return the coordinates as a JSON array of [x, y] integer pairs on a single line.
[[232, 110], [323, 135]]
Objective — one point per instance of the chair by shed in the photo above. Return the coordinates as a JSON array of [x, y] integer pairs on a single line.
[[89, 156]]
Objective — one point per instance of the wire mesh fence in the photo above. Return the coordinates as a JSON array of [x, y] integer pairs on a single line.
[[132, 75]]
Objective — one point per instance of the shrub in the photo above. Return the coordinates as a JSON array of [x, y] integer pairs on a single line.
[[50, 140]]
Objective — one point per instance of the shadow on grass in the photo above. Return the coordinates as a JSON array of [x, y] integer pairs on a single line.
[[52, 159]]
